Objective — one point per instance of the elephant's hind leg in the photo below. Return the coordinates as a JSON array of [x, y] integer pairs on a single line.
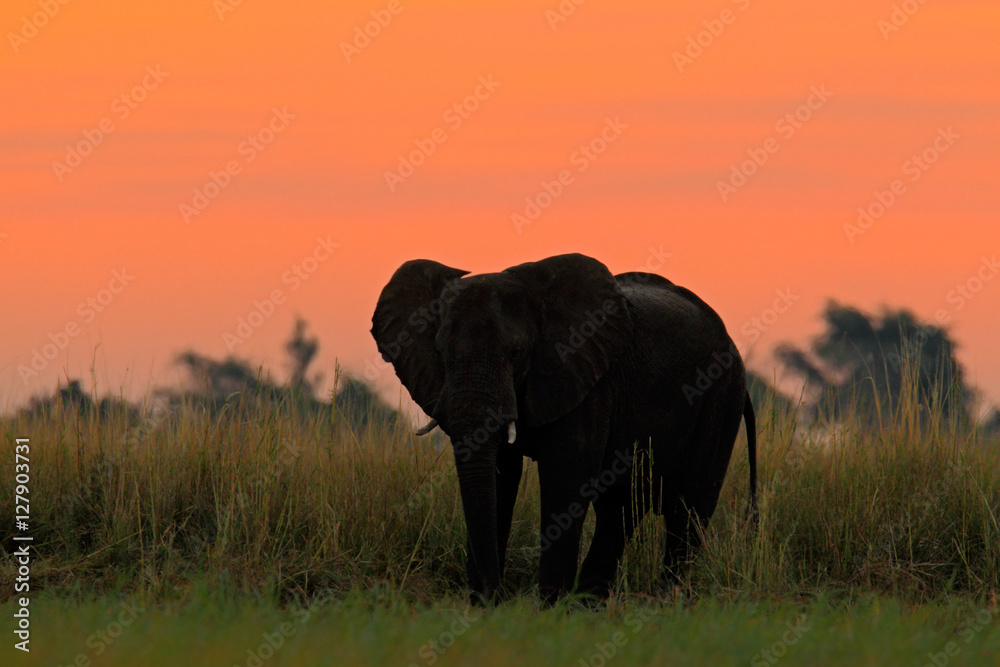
[[682, 524], [691, 495], [617, 516], [564, 507]]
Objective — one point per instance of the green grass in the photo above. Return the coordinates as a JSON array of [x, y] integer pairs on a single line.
[[377, 627], [886, 538]]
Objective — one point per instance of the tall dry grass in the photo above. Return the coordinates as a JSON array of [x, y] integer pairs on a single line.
[[262, 499]]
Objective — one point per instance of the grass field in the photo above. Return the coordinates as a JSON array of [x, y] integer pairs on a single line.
[[379, 628], [264, 535]]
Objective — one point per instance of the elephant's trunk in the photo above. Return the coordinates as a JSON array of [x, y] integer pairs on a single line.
[[477, 482], [481, 414]]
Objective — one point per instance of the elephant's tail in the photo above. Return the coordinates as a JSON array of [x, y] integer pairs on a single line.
[[751, 423]]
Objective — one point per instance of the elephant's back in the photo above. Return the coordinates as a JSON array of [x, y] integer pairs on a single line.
[[665, 309], [678, 339]]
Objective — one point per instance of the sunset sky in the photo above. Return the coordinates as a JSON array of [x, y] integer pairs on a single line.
[[166, 166]]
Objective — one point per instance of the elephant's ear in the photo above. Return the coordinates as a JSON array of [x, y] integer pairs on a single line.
[[584, 324], [406, 321]]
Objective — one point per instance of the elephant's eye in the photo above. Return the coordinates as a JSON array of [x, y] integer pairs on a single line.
[[515, 354]]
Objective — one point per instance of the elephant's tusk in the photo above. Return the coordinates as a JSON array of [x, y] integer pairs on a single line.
[[431, 425], [511, 433]]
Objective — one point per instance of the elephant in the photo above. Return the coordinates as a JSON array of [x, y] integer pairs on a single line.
[[625, 389]]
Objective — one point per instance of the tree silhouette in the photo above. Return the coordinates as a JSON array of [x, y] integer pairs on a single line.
[[214, 383], [863, 362], [73, 398], [301, 349]]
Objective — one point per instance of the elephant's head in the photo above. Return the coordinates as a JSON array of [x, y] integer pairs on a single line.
[[483, 353]]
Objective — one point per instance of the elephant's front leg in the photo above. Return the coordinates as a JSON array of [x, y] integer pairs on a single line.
[[564, 482], [509, 466]]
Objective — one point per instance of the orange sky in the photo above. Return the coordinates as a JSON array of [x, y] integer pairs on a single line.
[[199, 81]]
